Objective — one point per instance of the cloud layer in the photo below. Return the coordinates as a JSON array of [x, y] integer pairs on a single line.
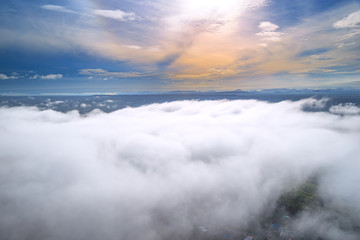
[[160, 171]]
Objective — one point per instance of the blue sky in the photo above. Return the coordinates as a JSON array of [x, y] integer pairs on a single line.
[[92, 46]]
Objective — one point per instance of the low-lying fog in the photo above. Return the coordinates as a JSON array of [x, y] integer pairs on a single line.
[[160, 171]]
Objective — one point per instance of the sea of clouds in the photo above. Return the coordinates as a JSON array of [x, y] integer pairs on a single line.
[[162, 170]]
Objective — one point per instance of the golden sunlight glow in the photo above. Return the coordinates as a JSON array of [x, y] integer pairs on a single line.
[[207, 8], [206, 39]]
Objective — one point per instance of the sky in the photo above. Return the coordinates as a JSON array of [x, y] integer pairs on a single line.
[[109, 46]]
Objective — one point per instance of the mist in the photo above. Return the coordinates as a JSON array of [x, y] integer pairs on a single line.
[[162, 171]]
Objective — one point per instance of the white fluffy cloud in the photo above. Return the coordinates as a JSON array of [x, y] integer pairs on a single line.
[[16, 76], [5, 77], [116, 14], [268, 26], [49, 76], [350, 21], [133, 47], [57, 8], [158, 171], [345, 109], [52, 76], [98, 72], [269, 32]]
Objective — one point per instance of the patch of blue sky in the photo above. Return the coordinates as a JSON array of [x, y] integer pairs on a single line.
[[311, 52], [66, 63], [147, 49], [289, 13]]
